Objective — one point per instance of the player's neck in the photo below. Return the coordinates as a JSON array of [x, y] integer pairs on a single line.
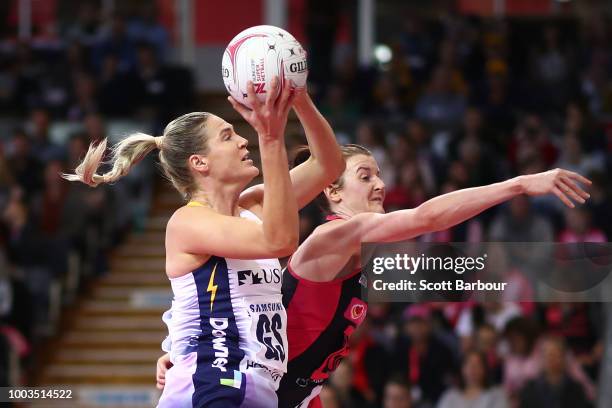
[[223, 200]]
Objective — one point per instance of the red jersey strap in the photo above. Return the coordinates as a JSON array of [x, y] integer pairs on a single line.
[[333, 217]]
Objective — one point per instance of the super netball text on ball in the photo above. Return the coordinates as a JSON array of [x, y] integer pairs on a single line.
[[413, 264]]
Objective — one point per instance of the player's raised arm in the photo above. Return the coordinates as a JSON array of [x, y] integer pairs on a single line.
[[325, 163], [280, 216]]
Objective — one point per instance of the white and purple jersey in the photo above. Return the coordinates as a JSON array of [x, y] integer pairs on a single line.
[[227, 334]]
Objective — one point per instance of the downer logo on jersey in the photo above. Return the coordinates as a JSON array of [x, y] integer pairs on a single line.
[[257, 277]]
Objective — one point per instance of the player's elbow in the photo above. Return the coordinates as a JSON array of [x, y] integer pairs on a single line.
[[283, 248], [336, 167], [281, 241], [331, 167]]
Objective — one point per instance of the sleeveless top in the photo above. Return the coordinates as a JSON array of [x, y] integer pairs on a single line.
[[230, 311], [321, 318]]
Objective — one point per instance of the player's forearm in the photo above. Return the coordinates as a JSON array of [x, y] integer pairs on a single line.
[[322, 142], [280, 213], [450, 209]]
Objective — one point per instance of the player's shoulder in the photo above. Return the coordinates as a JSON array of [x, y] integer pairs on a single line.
[[186, 216]]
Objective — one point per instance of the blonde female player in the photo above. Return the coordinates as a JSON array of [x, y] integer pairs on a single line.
[[227, 326], [322, 283]]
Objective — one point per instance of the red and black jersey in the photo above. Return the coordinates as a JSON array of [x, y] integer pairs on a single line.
[[321, 316]]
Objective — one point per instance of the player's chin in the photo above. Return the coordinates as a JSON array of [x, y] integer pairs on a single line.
[[251, 170], [377, 207], [246, 173]]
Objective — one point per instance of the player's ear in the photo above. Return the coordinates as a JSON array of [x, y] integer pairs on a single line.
[[332, 192], [198, 163]]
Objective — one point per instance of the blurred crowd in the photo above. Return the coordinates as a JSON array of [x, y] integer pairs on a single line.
[[462, 102], [59, 92], [465, 102]]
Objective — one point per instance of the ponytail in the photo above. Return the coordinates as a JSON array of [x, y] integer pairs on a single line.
[[125, 154]]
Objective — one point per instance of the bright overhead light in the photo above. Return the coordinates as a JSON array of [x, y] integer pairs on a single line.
[[383, 53]]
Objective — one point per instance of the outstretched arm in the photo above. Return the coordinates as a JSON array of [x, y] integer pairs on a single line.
[[336, 242], [325, 164], [450, 209]]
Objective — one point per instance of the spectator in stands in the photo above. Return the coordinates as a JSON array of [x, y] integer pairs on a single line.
[[552, 69], [554, 388], [370, 136], [84, 98], [408, 190], [397, 393], [95, 128], [118, 91], [145, 27], [424, 360], [7, 180], [579, 123], [440, 106], [518, 223], [152, 82], [579, 228], [24, 166], [369, 364], [341, 381], [339, 110], [475, 390], [329, 397], [114, 40], [531, 139], [575, 322], [430, 166], [85, 29], [573, 158], [42, 147], [487, 343], [600, 203], [521, 361], [321, 26], [497, 314], [418, 46]]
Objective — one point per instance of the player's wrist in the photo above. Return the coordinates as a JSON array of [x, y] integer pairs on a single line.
[[519, 184]]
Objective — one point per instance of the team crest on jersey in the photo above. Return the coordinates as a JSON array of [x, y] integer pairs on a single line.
[[356, 311]]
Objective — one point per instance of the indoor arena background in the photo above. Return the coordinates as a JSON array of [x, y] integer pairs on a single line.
[[446, 94]]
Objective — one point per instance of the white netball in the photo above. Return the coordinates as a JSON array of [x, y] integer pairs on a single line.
[[258, 54]]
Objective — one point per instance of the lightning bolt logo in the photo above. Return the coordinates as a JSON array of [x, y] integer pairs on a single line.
[[212, 288]]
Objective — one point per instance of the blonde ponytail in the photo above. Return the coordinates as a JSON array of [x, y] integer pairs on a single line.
[[125, 154], [184, 136]]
